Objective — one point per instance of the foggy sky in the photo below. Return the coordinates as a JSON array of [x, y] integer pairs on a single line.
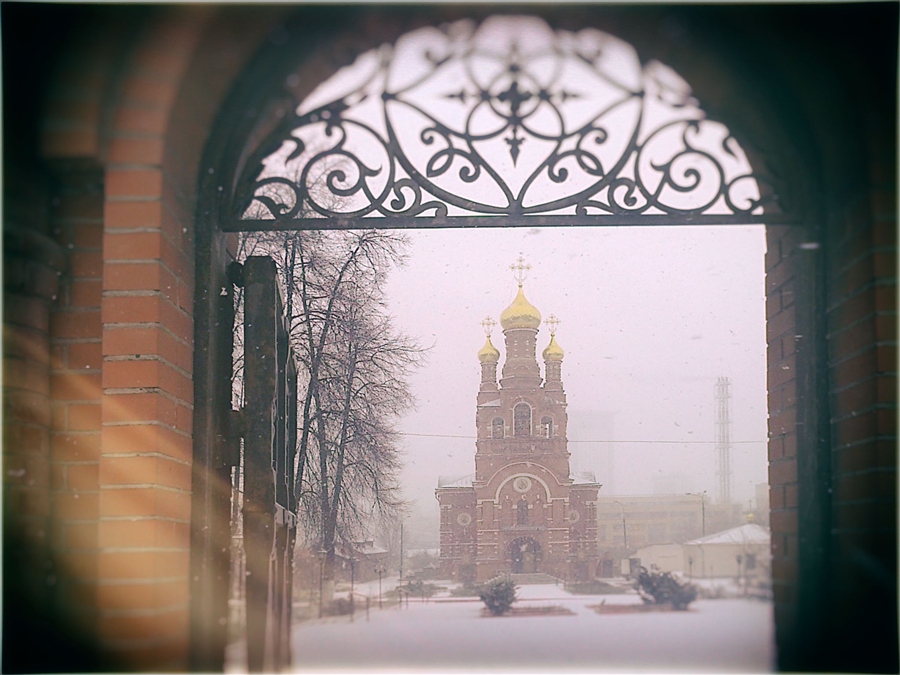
[[649, 318]]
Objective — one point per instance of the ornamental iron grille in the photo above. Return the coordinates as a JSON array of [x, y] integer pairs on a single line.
[[509, 123]]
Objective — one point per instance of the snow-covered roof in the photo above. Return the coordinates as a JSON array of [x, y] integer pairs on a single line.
[[369, 548], [751, 533], [583, 478], [464, 482]]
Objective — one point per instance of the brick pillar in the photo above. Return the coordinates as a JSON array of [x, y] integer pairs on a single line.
[[783, 340], [862, 345], [147, 388], [75, 387]]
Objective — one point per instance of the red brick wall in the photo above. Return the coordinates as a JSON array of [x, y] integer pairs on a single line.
[[123, 344], [127, 119], [832, 412], [145, 466], [862, 369], [782, 338], [77, 365]]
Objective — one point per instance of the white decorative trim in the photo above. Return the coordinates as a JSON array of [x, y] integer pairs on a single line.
[[522, 484]]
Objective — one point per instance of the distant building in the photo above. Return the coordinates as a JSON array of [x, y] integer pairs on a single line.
[[742, 553], [521, 511], [761, 513], [661, 557], [361, 561], [627, 523]]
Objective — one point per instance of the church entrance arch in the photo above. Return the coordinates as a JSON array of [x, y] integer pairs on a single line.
[[525, 555], [506, 122], [392, 186]]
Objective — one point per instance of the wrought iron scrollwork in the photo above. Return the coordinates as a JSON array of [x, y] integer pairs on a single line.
[[505, 123]]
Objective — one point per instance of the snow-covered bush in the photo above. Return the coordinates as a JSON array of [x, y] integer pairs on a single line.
[[662, 588], [498, 596]]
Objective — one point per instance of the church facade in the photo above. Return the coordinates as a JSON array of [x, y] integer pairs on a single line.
[[522, 511]]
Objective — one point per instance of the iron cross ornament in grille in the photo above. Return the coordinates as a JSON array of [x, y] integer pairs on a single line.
[[504, 123]]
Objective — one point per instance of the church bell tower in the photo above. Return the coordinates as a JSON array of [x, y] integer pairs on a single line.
[[522, 511]]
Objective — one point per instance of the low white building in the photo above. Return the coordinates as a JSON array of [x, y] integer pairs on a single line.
[[662, 557], [741, 552]]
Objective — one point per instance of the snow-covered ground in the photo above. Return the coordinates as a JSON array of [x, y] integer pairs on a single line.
[[450, 634]]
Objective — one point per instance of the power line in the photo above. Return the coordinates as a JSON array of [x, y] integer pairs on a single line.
[[685, 442]]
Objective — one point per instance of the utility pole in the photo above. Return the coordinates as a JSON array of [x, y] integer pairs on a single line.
[[702, 496], [723, 439], [401, 552]]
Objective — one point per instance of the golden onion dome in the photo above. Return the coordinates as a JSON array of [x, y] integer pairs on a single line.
[[488, 353], [553, 352], [520, 314]]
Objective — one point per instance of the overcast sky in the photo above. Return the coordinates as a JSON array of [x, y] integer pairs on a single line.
[[649, 318]]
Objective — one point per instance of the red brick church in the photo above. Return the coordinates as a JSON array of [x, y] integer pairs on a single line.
[[522, 511]]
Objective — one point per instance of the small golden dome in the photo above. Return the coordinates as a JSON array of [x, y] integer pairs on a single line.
[[553, 352], [520, 314], [488, 353]]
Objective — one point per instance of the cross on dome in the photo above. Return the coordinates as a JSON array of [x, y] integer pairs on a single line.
[[520, 270], [552, 323], [488, 324], [488, 353]]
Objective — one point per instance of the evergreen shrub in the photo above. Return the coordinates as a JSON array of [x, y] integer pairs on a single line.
[[498, 596], [662, 588]]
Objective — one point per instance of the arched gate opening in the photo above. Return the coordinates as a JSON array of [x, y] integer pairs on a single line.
[[120, 172], [505, 122]]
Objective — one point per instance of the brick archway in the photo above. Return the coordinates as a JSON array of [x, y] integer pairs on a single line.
[[105, 415], [123, 133]]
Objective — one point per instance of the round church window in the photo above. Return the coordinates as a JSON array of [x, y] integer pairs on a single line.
[[574, 516], [464, 519], [522, 484]]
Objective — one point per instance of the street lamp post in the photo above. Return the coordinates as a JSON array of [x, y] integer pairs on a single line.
[[624, 535], [352, 584], [380, 571], [322, 555], [401, 552], [702, 496]]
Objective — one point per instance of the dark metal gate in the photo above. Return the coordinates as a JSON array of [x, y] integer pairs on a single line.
[[262, 438]]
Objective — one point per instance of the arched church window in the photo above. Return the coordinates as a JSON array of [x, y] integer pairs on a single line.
[[547, 427], [497, 427], [522, 420], [522, 512]]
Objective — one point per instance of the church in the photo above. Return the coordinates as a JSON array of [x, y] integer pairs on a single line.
[[522, 511]]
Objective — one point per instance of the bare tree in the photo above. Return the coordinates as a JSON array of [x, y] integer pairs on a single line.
[[356, 364], [357, 456]]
